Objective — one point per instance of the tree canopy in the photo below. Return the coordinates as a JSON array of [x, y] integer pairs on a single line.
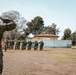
[[51, 29], [73, 38], [67, 34], [36, 25]]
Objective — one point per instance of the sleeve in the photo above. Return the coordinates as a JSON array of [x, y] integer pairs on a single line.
[[10, 26]]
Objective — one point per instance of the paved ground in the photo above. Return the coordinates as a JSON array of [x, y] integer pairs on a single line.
[[54, 61]]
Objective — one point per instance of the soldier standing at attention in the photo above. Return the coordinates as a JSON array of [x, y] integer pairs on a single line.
[[25, 44], [17, 44], [41, 45], [5, 45], [11, 44], [35, 45], [29, 45]]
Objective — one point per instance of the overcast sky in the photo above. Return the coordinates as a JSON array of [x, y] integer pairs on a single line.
[[60, 12]]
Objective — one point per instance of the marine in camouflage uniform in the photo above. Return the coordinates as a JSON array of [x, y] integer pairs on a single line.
[[29, 45], [11, 44], [41, 45], [25, 44], [18, 44], [7, 26], [5, 45], [35, 45]]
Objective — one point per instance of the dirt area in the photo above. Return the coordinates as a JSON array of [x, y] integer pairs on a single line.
[[53, 61]]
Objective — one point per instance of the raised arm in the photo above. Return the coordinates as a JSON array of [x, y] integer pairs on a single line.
[[10, 26]]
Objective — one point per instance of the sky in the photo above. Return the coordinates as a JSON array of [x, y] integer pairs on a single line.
[[60, 12]]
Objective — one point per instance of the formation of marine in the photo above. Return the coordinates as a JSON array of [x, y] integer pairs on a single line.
[[9, 25], [23, 45]]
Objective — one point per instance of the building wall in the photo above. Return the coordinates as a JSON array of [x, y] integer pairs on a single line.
[[40, 38], [57, 43]]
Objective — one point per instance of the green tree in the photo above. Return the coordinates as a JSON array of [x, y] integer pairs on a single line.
[[67, 34], [51, 29], [73, 38], [36, 25]]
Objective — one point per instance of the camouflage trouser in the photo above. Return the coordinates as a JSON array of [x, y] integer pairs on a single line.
[[1, 60], [5, 48], [29, 47], [35, 47], [41, 47], [1, 65]]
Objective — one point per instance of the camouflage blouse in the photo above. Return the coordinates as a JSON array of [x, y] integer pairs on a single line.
[[6, 27]]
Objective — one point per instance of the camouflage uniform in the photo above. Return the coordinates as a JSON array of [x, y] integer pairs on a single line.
[[5, 45], [25, 44], [11, 44], [35, 45], [1, 58], [41, 45], [18, 44], [29, 45], [7, 27]]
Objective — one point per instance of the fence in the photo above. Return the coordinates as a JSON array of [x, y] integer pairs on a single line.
[[57, 43]]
